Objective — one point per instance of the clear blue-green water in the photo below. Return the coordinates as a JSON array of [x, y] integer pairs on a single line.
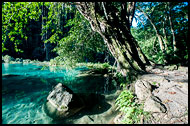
[[25, 88]]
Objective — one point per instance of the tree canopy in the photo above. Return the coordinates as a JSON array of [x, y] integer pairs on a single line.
[[44, 30]]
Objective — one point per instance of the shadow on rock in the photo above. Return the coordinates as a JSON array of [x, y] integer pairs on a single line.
[[94, 104], [62, 103]]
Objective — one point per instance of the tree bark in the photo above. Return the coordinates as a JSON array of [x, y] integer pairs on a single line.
[[114, 26]]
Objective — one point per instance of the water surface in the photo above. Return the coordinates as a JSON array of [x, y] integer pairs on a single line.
[[25, 88]]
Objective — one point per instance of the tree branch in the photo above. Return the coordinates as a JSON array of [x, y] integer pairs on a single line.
[[105, 13], [132, 12], [139, 19]]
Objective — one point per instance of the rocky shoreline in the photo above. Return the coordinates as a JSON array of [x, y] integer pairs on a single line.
[[164, 93], [11, 60]]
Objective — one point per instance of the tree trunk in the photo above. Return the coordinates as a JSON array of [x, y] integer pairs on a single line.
[[44, 31], [171, 25], [164, 29], [165, 37], [114, 26], [157, 33]]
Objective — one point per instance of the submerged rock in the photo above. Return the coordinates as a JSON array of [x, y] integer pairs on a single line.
[[62, 102]]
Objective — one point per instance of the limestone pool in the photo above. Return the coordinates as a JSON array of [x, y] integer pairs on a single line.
[[25, 88]]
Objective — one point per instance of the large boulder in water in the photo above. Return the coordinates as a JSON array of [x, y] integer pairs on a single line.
[[62, 102]]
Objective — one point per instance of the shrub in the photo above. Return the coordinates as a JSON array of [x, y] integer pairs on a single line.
[[98, 66], [7, 59], [131, 110]]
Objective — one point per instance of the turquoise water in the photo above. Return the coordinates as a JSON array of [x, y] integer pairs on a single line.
[[25, 88]]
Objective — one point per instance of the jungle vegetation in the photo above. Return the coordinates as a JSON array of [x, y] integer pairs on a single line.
[[97, 32]]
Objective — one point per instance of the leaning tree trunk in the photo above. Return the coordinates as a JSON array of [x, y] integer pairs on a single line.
[[171, 26], [165, 36], [164, 29], [114, 26], [156, 30]]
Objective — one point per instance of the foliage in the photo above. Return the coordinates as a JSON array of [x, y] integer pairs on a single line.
[[20, 21], [81, 43], [125, 81], [15, 18], [77, 44], [7, 59], [132, 111], [56, 61], [146, 36], [120, 79], [64, 26], [155, 83], [96, 65]]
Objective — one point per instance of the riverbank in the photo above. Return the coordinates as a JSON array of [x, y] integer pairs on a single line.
[[165, 90], [164, 94]]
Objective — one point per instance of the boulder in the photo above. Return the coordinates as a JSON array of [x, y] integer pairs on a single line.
[[153, 104], [62, 102], [143, 90], [154, 78]]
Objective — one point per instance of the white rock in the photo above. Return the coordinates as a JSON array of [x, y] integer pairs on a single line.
[[142, 90], [153, 104]]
